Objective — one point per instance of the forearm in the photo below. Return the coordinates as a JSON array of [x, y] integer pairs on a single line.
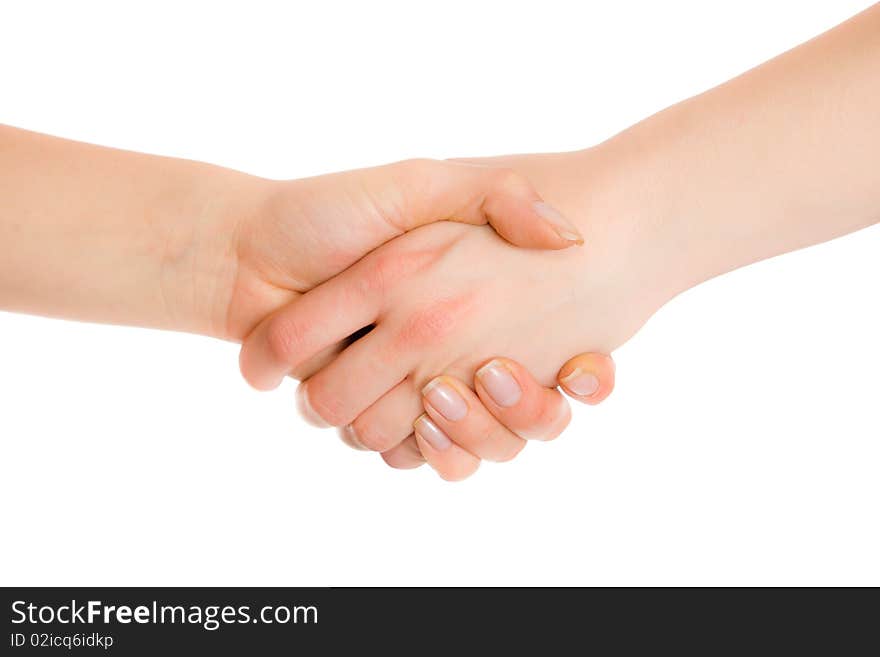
[[105, 235], [780, 158]]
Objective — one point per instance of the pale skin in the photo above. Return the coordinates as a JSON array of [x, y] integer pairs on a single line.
[[105, 235], [99, 234], [780, 158]]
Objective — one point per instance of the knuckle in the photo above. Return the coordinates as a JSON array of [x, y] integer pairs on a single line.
[[434, 323], [425, 327], [510, 450], [388, 268], [371, 436], [382, 269], [550, 414], [543, 421], [531, 416], [327, 405], [286, 339]]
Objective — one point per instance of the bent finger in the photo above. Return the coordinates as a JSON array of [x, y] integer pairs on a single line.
[[460, 415], [510, 393], [451, 462]]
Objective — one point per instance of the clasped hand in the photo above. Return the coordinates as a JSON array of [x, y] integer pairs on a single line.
[[434, 310]]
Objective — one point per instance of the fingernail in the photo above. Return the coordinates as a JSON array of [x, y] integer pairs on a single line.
[[349, 437], [431, 434], [305, 408], [580, 382], [445, 400], [499, 383], [563, 227]]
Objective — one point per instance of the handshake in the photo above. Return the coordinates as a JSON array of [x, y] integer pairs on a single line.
[[417, 335], [340, 282]]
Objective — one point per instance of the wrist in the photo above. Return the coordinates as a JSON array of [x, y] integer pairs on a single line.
[[197, 230], [656, 205], [623, 203]]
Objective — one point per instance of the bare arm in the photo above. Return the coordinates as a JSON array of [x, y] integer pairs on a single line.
[[106, 235]]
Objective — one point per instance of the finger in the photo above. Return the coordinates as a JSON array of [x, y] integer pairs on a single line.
[[324, 357], [475, 194], [589, 378], [451, 462], [519, 402], [357, 378], [404, 456], [388, 422], [312, 323], [317, 362], [458, 412]]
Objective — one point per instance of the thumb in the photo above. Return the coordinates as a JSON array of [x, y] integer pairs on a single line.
[[434, 190], [589, 378]]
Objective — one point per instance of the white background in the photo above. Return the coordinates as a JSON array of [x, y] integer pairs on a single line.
[[742, 443]]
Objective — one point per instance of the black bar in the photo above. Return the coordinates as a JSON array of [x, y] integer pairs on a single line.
[[266, 621]]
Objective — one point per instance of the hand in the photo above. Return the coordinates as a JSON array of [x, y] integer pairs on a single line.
[[523, 409], [440, 297], [539, 412], [311, 229], [182, 245]]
